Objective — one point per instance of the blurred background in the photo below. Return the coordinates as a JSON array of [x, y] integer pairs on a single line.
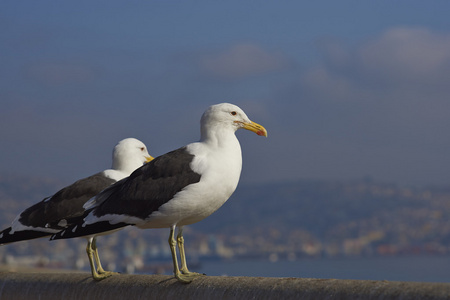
[[354, 95]]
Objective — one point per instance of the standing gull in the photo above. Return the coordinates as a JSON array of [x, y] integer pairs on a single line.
[[55, 213], [176, 189]]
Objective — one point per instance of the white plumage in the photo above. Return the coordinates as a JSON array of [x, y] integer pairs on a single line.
[[57, 212], [176, 189]]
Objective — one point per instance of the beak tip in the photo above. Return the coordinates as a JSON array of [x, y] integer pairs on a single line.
[[262, 133], [255, 127]]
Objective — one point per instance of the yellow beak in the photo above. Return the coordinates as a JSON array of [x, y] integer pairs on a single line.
[[149, 158], [255, 127]]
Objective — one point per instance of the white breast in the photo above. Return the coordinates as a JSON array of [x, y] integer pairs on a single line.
[[220, 169]]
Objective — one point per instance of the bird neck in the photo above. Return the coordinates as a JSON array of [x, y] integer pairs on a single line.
[[219, 137], [126, 167]]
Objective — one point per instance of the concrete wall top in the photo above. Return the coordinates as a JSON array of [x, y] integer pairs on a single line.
[[70, 286]]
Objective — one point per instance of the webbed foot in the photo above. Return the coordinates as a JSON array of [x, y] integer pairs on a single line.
[[188, 277], [101, 276]]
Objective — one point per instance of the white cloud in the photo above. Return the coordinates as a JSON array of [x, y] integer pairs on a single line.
[[407, 55], [333, 86], [242, 60], [411, 62], [388, 100]]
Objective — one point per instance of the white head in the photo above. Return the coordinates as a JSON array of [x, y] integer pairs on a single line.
[[226, 116], [130, 154]]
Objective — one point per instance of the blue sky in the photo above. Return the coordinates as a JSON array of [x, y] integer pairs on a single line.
[[346, 89]]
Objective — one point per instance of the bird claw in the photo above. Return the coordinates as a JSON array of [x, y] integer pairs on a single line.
[[188, 276], [109, 273], [193, 274], [101, 276]]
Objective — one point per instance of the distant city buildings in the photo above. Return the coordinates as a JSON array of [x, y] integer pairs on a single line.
[[306, 219]]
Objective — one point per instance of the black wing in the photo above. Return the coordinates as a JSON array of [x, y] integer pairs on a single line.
[[150, 186], [138, 195], [66, 203], [6, 237]]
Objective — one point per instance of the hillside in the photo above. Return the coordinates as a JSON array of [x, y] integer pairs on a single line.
[[276, 221], [337, 218]]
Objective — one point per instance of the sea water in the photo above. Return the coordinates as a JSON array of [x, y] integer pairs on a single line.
[[401, 268]]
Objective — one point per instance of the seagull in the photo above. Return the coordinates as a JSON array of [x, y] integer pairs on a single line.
[[57, 212], [176, 189]]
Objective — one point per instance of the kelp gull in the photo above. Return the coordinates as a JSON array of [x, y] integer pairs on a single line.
[[176, 189], [57, 212]]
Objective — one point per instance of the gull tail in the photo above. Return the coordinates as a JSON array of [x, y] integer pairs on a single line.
[[99, 228], [7, 237]]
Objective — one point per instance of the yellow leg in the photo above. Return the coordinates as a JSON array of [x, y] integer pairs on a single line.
[[184, 269], [100, 269], [92, 255], [176, 271]]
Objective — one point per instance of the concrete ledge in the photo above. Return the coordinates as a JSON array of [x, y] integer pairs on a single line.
[[80, 286]]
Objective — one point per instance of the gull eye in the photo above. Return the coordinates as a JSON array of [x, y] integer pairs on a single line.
[[142, 148], [233, 113]]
